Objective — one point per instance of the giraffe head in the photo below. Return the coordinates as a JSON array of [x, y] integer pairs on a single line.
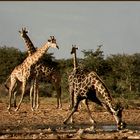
[[118, 113], [23, 32], [74, 48], [52, 42]]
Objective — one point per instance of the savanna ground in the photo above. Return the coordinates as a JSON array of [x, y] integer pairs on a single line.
[[47, 122]]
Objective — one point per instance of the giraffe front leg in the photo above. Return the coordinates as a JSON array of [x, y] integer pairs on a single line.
[[11, 90], [57, 87], [31, 96], [59, 103], [10, 98], [89, 112], [15, 105], [37, 95], [22, 95], [73, 111]]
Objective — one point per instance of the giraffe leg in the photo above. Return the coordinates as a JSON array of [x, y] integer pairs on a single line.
[[11, 90], [89, 112], [36, 94], [31, 96], [58, 92], [22, 95], [15, 92], [15, 99], [59, 103], [73, 110], [37, 99], [71, 99]]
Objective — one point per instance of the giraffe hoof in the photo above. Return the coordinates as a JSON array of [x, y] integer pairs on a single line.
[[32, 109], [16, 109], [9, 111], [65, 122], [121, 126], [58, 106]]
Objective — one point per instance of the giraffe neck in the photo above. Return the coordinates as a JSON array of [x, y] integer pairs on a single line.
[[75, 63], [33, 59], [29, 45], [101, 88]]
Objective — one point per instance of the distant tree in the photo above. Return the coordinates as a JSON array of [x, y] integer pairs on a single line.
[[122, 71], [9, 58], [136, 71], [94, 61]]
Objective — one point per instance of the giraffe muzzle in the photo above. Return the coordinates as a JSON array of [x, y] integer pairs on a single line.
[[57, 46]]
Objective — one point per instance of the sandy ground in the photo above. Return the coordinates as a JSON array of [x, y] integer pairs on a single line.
[[47, 123]]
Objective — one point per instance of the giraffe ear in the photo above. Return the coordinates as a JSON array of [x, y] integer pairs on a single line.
[[51, 37], [49, 40]]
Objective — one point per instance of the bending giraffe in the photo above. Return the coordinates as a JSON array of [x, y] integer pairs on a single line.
[[83, 85], [71, 78], [44, 71], [25, 71]]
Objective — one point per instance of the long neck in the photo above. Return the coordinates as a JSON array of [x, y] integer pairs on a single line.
[[29, 45], [75, 63], [33, 59], [100, 86], [103, 90]]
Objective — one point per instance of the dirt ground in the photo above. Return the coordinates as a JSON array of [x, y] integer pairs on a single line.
[[47, 123]]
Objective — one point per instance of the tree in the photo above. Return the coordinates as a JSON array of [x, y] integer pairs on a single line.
[[94, 61], [9, 58]]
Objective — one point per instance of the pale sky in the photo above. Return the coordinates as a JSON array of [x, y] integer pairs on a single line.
[[114, 24]]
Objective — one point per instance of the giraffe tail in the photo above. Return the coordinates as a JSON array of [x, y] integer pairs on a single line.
[[5, 84]]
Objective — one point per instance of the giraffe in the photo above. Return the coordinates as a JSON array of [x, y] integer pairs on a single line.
[[25, 71], [76, 68], [83, 85], [28, 43], [48, 73]]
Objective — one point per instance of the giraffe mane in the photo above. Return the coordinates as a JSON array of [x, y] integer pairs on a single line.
[[102, 83]]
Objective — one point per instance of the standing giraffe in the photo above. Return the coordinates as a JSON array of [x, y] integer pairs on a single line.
[[44, 71], [25, 71], [83, 85]]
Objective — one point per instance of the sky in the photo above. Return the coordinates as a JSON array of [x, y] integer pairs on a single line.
[[87, 24]]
